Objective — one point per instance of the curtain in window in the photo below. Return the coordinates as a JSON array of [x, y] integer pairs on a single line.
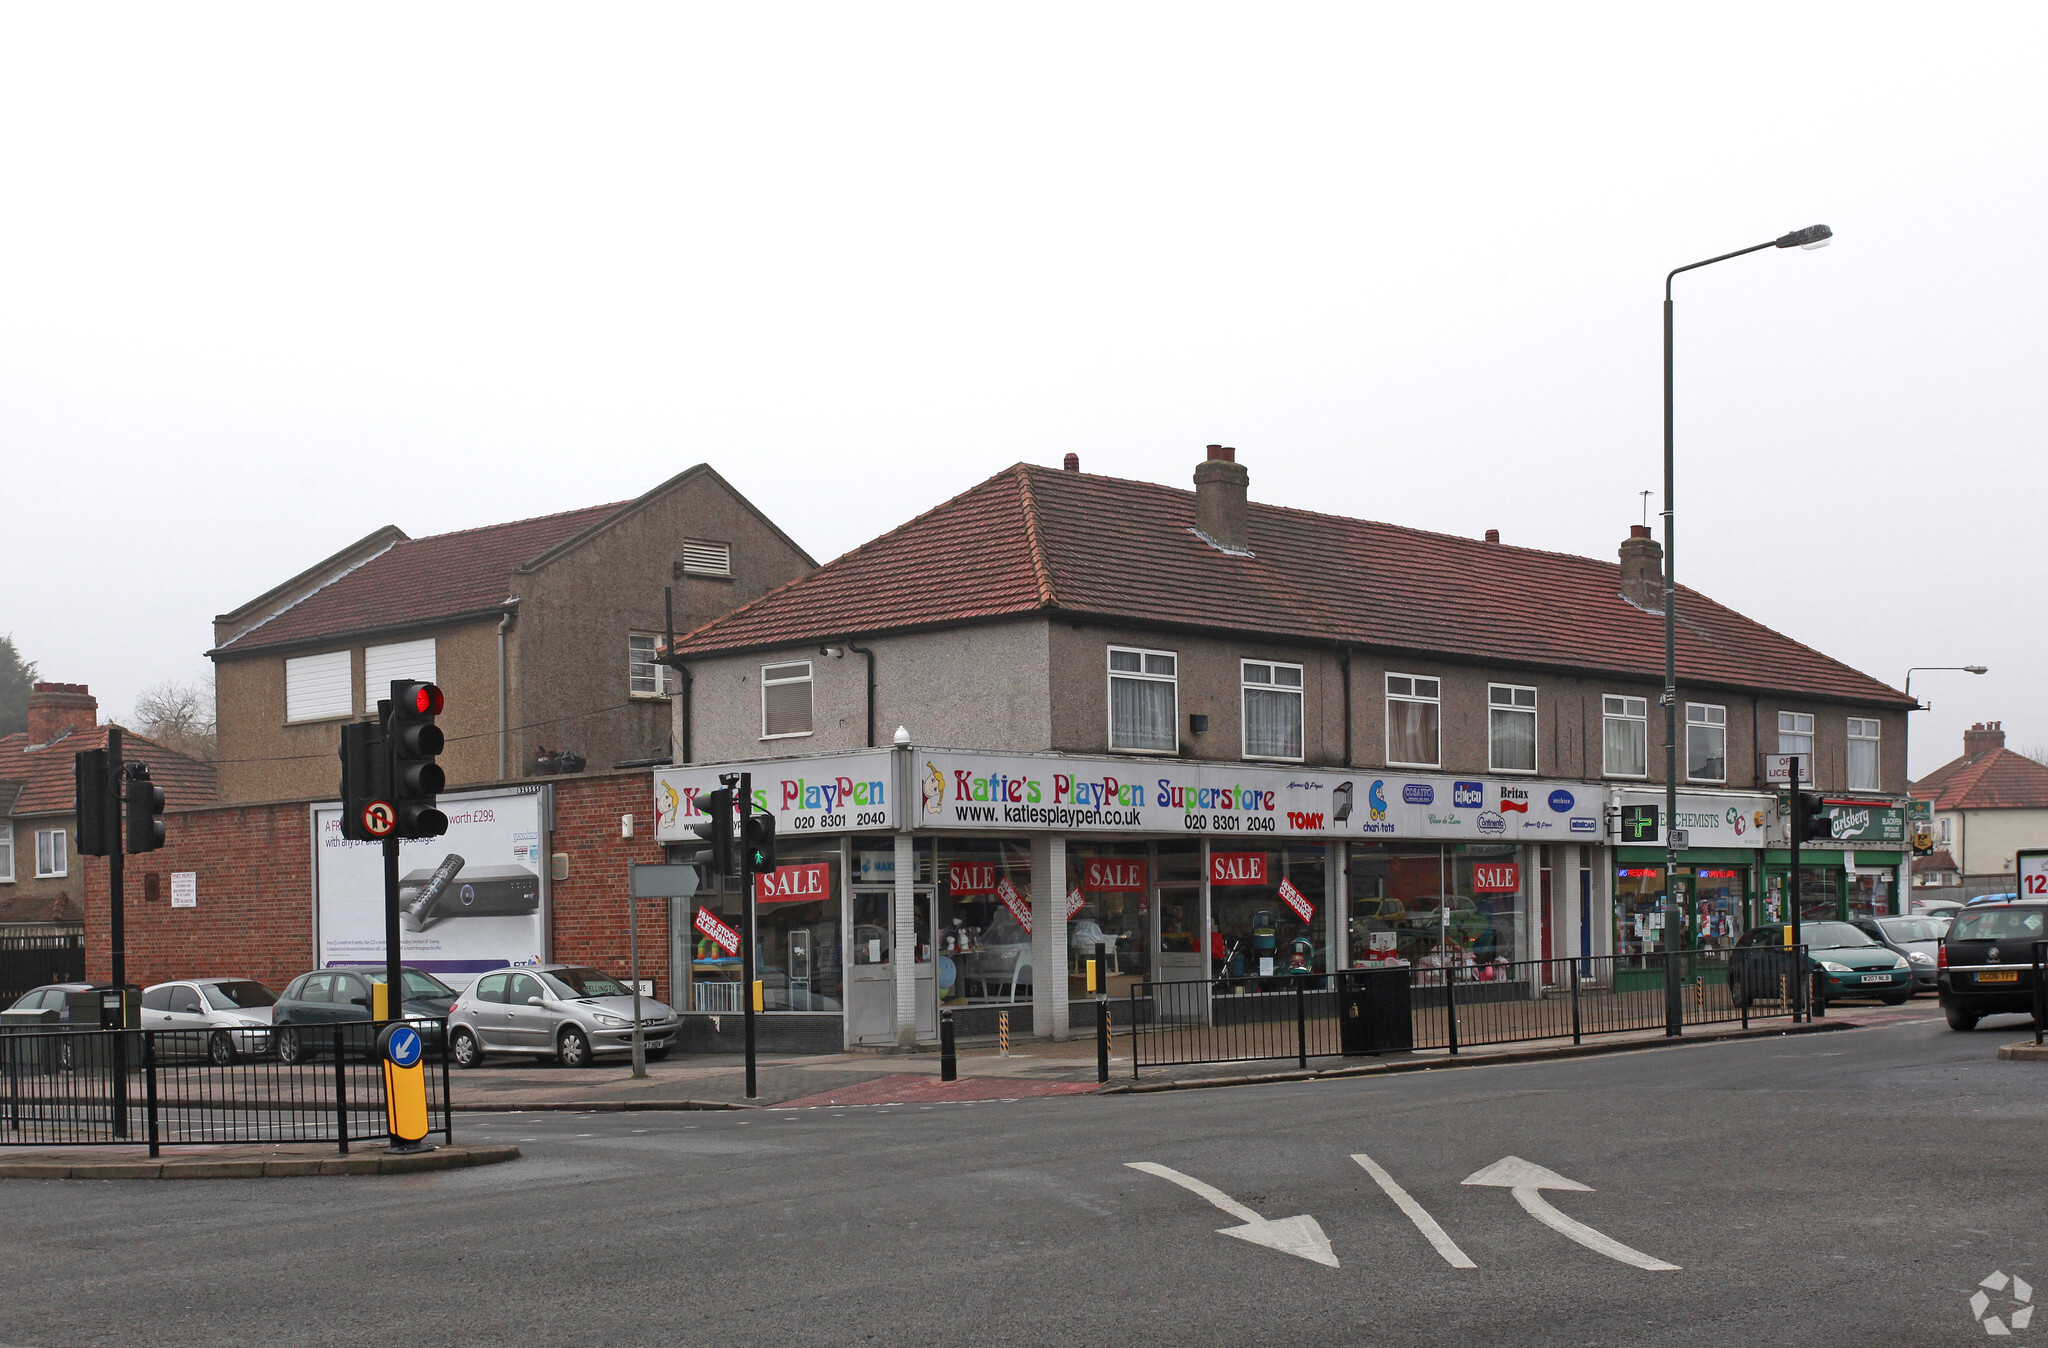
[[1272, 723], [1141, 714], [1863, 765], [1411, 732], [1706, 753], [1628, 747], [1514, 741]]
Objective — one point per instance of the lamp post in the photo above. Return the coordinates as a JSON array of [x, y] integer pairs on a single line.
[[1925, 669], [1813, 236]]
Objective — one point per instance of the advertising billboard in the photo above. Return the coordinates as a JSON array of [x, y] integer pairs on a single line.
[[472, 900]]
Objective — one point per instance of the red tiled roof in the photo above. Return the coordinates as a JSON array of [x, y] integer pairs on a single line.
[[1038, 539], [418, 580], [1938, 861], [1992, 779], [41, 908], [48, 785]]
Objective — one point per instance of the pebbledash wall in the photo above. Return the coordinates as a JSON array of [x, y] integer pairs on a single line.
[[253, 909]]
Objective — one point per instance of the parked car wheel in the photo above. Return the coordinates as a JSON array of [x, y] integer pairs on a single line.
[[220, 1046], [1959, 1019], [468, 1053], [657, 1054], [290, 1051], [571, 1048], [1898, 1000], [1738, 991]]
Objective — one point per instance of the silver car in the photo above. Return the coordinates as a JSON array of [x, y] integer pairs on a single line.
[[222, 1018], [562, 1011]]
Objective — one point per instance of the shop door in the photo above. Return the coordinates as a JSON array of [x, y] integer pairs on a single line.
[[871, 969], [1178, 954], [925, 967]]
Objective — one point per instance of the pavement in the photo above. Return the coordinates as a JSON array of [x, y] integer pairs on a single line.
[[274, 1161], [1880, 1186]]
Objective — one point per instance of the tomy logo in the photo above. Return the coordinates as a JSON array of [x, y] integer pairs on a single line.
[[1419, 793], [1468, 795], [1581, 824], [1561, 801], [1489, 822]]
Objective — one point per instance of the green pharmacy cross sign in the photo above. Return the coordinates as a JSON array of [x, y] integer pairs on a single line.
[[1639, 823]]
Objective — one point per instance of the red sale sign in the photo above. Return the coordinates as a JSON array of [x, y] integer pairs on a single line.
[[708, 923], [1298, 901], [972, 877], [1113, 875], [1496, 877], [1014, 901], [795, 884], [1237, 868]]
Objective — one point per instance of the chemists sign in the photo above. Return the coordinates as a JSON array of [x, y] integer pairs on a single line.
[[1710, 821]]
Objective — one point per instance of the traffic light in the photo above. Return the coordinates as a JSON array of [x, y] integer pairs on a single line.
[[95, 837], [1810, 821], [760, 843], [145, 810], [714, 828], [365, 781], [414, 740]]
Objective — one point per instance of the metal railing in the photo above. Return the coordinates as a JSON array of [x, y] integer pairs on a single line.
[[28, 962], [1301, 1016], [2040, 970], [73, 1088]]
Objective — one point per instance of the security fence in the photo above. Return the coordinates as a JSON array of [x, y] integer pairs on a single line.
[[31, 961], [1370, 1011], [170, 1088]]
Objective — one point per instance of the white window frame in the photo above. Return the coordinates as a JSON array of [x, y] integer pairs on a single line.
[[664, 677], [324, 666], [1707, 722], [1514, 706], [1411, 694], [700, 560], [809, 677], [1790, 723], [63, 853], [1272, 684], [6, 851], [1635, 709], [418, 660], [1142, 674], [1865, 730]]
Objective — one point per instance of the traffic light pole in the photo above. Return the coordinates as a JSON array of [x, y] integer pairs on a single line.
[[117, 916], [394, 994], [1803, 981], [743, 809]]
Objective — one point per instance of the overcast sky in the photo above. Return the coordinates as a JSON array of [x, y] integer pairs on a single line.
[[263, 265]]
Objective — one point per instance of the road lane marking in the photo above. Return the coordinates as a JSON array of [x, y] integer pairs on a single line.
[[1299, 1236], [1424, 1223], [1526, 1181]]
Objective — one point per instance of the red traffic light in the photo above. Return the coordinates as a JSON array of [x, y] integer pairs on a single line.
[[424, 699]]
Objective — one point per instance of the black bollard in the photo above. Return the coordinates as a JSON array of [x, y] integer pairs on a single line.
[[949, 1064]]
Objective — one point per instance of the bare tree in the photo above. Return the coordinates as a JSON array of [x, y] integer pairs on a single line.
[[178, 716], [2039, 753]]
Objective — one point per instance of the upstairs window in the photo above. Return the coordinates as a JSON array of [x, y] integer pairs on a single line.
[[1706, 742], [1863, 744], [400, 660], [6, 851], [1272, 709], [1795, 736], [1625, 736], [53, 857], [644, 676], [785, 700], [1414, 720], [702, 557], [1144, 700], [316, 688], [1511, 727]]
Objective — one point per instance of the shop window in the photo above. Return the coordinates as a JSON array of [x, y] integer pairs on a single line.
[[1795, 736], [982, 915], [1863, 746], [1625, 736], [1414, 720], [800, 956], [645, 677], [1511, 728], [1143, 700], [52, 856], [316, 688], [785, 700], [1110, 887], [1706, 743], [1437, 906], [1272, 710], [1266, 913]]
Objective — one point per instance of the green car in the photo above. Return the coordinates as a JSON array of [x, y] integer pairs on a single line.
[[1850, 964]]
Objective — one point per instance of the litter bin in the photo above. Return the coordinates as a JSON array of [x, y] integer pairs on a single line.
[[1378, 1016]]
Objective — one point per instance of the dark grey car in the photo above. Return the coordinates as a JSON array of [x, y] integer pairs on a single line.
[[1917, 938]]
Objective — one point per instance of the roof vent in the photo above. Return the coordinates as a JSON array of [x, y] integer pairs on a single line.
[[1072, 463], [1220, 483], [1493, 535]]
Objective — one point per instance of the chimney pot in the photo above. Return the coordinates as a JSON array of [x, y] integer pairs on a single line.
[[54, 708], [1220, 454], [1638, 531], [1983, 736], [1072, 463], [1493, 535], [1220, 484], [1642, 570]]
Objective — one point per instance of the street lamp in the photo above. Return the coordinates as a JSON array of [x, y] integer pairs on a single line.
[[1921, 669], [1812, 237]]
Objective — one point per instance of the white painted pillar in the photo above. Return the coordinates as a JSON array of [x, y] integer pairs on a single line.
[[1049, 1018], [1564, 888], [903, 955], [1337, 908]]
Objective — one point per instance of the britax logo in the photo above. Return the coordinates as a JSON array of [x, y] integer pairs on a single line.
[[1419, 793], [1468, 795]]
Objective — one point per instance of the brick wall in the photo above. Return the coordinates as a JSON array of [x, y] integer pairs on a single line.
[[254, 917]]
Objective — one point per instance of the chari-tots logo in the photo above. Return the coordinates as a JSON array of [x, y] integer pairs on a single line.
[[1375, 802]]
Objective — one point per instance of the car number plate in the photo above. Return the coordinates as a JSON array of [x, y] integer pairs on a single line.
[[1877, 978], [2000, 976]]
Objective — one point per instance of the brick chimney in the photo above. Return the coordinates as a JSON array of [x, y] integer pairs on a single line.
[[1220, 482], [1072, 463], [54, 708], [1493, 535], [1642, 569], [1983, 737]]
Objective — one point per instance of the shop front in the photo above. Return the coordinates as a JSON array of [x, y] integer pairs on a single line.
[[1833, 884], [1713, 896]]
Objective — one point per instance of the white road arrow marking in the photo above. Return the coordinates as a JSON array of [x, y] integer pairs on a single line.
[[1299, 1236], [1526, 1180], [1424, 1223]]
